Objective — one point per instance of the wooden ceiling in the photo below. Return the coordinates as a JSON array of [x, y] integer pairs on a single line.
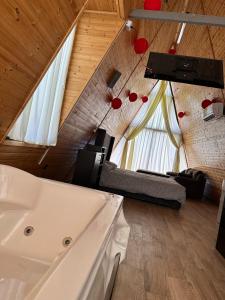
[[212, 7], [114, 6], [105, 5], [172, 5], [102, 5], [31, 33]]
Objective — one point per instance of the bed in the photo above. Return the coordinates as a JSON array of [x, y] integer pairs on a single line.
[[151, 188]]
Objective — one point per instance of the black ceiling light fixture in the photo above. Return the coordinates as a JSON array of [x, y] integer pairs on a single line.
[[185, 69]]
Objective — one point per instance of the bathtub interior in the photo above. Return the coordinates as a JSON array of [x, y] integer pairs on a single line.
[[39, 220]]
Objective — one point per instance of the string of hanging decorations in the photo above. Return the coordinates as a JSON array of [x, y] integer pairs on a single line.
[[141, 46]]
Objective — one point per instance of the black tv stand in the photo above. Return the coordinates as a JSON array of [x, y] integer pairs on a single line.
[[89, 161], [87, 168]]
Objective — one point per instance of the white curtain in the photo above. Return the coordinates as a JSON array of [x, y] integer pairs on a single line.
[[39, 122], [153, 149]]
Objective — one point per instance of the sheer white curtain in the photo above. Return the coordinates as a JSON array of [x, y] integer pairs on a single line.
[[39, 121], [153, 149]]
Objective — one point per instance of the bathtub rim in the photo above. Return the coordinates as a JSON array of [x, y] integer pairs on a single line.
[[36, 292]]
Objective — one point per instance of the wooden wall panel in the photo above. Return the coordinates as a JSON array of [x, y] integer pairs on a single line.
[[103, 5], [93, 103], [204, 141], [24, 158], [94, 35], [31, 32]]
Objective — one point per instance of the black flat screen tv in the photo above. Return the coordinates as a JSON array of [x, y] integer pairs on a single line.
[[185, 69]]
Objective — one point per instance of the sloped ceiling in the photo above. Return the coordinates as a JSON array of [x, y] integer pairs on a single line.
[[31, 33], [103, 5]]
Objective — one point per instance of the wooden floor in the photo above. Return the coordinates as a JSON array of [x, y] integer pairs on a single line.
[[171, 254]]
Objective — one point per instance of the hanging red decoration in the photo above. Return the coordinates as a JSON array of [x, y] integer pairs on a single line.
[[172, 51], [206, 103], [144, 99], [133, 97], [152, 4], [141, 45], [181, 114], [116, 103]]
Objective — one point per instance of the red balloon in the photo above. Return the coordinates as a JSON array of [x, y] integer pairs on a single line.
[[152, 4], [144, 99], [172, 51], [181, 114], [206, 103], [116, 103], [133, 97], [141, 45]]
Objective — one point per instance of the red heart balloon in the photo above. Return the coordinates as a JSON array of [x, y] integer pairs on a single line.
[[152, 4], [141, 45]]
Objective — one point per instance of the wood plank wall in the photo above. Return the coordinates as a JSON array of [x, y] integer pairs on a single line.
[[94, 35], [31, 33], [103, 5], [204, 141], [93, 104]]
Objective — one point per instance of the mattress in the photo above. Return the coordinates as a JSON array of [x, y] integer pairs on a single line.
[[138, 183]]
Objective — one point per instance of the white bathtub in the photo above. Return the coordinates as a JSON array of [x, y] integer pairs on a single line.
[[57, 241]]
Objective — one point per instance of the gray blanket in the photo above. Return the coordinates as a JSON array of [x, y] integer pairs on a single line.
[[133, 182]]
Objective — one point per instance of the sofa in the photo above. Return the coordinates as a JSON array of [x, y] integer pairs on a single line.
[[193, 180]]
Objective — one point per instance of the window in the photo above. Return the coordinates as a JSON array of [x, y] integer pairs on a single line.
[[153, 149], [39, 121]]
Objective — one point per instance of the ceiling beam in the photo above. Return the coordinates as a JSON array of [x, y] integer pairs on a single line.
[[188, 18]]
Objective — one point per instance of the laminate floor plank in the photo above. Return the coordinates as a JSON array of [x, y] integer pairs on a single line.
[[171, 254]]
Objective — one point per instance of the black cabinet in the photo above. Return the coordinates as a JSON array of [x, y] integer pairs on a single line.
[[221, 235], [87, 168]]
